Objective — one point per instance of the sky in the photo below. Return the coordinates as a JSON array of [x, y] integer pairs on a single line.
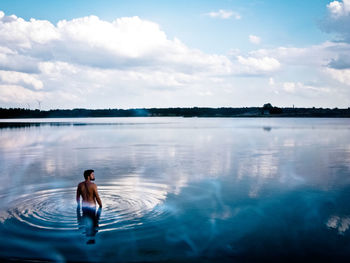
[[133, 54]]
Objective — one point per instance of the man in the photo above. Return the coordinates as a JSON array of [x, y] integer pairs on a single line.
[[88, 191]]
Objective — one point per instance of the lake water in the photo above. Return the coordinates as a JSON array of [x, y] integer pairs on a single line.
[[177, 189]]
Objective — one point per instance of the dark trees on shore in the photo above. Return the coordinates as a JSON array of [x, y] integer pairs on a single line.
[[265, 111]]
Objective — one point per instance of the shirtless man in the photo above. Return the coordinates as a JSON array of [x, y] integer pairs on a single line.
[[90, 218], [88, 191]]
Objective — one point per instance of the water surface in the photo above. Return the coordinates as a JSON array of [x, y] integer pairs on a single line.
[[180, 189]]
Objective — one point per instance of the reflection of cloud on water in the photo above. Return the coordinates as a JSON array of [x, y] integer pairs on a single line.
[[347, 155], [191, 186], [290, 142], [262, 165], [342, 224], [179, 182], [12, 141], [35, 145], [178, 155], [221, 211], [50, 166], [37, 137]]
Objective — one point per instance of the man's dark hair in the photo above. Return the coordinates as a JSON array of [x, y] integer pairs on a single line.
[[87, 173]]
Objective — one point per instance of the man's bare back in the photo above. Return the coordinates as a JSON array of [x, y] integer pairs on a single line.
[[88, 191]]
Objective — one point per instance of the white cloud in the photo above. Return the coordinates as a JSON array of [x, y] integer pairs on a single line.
[[78, 58], [338, 9], [19, 94], [24, 34], [130, 62], [312, 63], [338, 20], [13, 77], [264, 64], [301, 88], [316, 55], [224, 14], [128, 42], [53, 69], [341, 75], [254, 39], [128, 37], [289, 87]]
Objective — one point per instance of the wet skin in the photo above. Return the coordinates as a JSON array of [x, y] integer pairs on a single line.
[[88, 191]]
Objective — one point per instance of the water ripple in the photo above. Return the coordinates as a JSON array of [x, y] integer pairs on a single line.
[[125, 205]]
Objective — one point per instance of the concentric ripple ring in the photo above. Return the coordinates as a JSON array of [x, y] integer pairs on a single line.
[[125, 206]]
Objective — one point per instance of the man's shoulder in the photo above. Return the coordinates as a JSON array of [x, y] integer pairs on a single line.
[[89, 184]]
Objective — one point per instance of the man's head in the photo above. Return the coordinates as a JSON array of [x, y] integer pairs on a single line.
[[89, 174]]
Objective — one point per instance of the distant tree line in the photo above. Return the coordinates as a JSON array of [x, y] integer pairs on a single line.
[[266, 111]]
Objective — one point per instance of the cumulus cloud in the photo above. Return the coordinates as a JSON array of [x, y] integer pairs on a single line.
[[302, 88], [13, 77], [328, 54], [310, 72], [341, 75], [128, 42], [75, 58], [24, 34], [131, 62], [19, 94], [84, 59], [124, 38], [224, 14], [338, 9], [254, 39], [327, 59], [338, 19], [255, 65]]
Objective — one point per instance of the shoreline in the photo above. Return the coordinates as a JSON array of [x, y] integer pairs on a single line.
[[268, 111]]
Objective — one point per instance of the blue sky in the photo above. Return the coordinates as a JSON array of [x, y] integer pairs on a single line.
[[190, 53]]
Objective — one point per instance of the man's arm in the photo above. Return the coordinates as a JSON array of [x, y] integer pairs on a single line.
[[78, 195], [97, 196]]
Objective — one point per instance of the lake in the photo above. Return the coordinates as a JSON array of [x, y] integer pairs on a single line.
[[177, 189]]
